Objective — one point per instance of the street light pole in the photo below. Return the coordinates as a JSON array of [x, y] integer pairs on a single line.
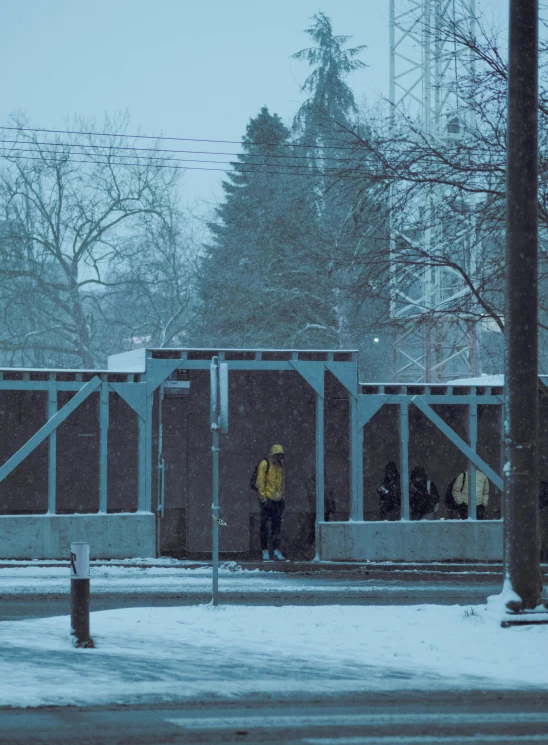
[[521, 517]]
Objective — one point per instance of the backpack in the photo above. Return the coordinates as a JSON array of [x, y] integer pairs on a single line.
[[449, 498], [253, 479]]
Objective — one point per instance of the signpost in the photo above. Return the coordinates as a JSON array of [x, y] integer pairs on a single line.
[[219, 424], [79, 593]]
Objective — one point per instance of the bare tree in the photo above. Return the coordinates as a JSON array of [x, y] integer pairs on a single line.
[[152, 298], [74, 209], [446, 194]]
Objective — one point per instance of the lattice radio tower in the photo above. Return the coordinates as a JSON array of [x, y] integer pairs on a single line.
[[428, 74]]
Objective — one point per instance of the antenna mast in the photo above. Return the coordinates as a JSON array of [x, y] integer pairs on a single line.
[[427, 73]]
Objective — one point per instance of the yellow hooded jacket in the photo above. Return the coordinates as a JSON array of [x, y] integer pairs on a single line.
[[271, 482]]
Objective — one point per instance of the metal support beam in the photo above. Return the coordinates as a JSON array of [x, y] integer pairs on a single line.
[[103, 446], [148, 454], [141, 465], [369, 404], [320, 468], [473, 439], [356, 489], [346, 373], [404, 459], [359, 471], [521, 546], [49, 427], [458, 441], [313, 373], [134, 394], [52, 455]]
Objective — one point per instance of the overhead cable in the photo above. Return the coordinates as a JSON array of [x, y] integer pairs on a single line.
[[107, 154], [180, 139], [254, 169], [175, 150]]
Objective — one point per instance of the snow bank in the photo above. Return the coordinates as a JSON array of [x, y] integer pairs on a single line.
[[165, 654]]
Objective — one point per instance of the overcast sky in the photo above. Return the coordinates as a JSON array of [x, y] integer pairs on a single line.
[[185, 68]]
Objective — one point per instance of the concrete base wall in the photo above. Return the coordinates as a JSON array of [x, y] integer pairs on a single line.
[[412, 541], [116, 536]]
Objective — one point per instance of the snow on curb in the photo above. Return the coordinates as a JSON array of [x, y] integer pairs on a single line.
[[165, 654]]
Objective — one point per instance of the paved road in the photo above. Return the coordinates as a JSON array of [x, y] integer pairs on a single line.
[[19, 607], [32, 591], [399, 718]]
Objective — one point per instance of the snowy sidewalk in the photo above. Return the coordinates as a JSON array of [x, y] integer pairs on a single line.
[[170, 654], [170, 578]]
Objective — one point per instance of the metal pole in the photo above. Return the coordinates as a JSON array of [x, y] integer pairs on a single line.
[[160, 509], [320, 467], [521, 550], [103, 447], [214, 370], [392, 61], [404, 459], [473, 440], [52, 460], [79, 593], [356, 503]]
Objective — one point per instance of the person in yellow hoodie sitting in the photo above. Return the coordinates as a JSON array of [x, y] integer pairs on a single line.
[[271, 488]]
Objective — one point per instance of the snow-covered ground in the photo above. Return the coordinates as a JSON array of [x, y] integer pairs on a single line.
[[169, 579], [178, 578], [165, 654]]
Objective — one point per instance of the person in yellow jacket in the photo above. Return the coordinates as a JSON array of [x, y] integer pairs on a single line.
[[271, 488], [461, 491]]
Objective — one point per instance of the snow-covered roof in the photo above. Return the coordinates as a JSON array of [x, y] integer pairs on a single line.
[[487, 380]]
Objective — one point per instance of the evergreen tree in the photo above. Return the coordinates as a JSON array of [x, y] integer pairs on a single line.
[[258, 284], [328, 131], [325, 117]]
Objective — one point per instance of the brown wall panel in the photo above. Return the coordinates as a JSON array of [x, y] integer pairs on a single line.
[[123, 449], [78, 457], [22, 413], [264, 408]]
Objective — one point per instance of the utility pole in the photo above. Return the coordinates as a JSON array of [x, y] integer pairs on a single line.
[[521, 513], [218, 424]]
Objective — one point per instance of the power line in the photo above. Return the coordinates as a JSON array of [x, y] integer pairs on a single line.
[[168, 150], [254, 166], [176, 139], [353, 173]]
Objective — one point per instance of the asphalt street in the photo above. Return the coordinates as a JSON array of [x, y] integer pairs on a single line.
[[398, 717], [292, 583], [401, 717], [17, 607]]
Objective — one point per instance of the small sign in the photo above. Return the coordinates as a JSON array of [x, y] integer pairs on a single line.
[[79, 560]]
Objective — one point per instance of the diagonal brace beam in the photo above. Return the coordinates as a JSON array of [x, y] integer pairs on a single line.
[[49, 427], [368, 405], [472, 456]]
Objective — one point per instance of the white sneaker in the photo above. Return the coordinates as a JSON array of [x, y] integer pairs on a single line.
[[266, 556], [278, 556]]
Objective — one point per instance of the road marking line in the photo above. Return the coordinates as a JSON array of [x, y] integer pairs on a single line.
[[273, 721], [427, 740]]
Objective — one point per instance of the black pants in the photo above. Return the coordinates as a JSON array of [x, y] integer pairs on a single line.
[[462, 511], [271, 511]]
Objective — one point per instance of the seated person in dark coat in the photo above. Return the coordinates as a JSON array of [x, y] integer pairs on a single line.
[[390, 493], [423, 496]]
